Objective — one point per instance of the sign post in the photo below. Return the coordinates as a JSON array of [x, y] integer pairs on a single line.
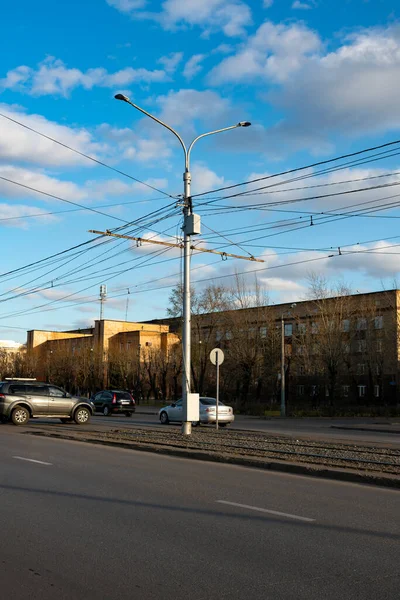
[[217, 358]]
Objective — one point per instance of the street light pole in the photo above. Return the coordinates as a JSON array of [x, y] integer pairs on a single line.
[[191, 226]]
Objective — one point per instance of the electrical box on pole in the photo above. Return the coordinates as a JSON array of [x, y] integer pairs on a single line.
[[192, 412], [192, 224]]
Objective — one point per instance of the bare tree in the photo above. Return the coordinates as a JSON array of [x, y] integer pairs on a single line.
[[320, 341]]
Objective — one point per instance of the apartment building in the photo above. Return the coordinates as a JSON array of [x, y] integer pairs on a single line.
[[342, 350]]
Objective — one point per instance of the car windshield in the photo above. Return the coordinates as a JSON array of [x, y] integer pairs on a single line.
[[123, 396], [210, 402]]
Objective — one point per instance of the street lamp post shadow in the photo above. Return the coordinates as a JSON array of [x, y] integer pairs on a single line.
[[191, 226]]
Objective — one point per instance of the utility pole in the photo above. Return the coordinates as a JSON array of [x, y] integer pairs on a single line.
[[191, 226], [103, 297]]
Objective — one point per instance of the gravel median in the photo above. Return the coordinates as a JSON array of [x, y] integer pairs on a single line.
[[352, 462]]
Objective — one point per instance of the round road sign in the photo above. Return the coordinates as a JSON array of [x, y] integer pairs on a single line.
[[217, 352]]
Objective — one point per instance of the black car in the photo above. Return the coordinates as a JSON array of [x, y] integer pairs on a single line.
[[111, 402], [22, 399]]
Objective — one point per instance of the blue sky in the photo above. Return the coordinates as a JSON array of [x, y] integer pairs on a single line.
[[317, 79]]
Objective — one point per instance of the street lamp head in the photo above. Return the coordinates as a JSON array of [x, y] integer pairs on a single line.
[[121, 97], [244, 124]]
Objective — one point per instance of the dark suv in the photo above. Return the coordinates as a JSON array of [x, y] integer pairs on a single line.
[[22, 399], [114, 401]]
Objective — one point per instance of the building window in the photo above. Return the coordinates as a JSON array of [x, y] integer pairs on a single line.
[[361, 345], [346, 348], [346, 325], [361, 369], [302, 328], [300, 390], [300, 350], [378, 322], [263, 332], [314, 328], [345, 391], [288, 329], [379, 346], [228, 335], [218, 335], [361, 323], [362, 390], [376, 391], [302, 370], [314, 390]]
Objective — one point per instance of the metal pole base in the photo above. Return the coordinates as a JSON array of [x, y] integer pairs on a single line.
[[186, 428]]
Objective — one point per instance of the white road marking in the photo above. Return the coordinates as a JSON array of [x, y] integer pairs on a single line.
[[39, 462], [265, 510]]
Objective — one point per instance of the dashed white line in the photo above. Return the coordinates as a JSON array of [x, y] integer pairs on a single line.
[[265, 510], [39, 462]]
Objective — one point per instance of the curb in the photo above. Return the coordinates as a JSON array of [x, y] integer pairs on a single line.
[[276, 466]]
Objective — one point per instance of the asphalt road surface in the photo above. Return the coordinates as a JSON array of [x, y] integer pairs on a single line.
[[87, 522]]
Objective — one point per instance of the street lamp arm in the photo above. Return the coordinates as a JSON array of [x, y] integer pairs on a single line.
[[241, 124], [142, 110]]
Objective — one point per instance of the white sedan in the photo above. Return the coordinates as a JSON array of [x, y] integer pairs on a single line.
[[208, 412]]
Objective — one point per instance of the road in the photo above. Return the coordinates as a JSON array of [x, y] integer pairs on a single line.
[[89, 522]]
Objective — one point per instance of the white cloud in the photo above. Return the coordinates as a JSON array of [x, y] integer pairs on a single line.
[[137, 145], [116, 187], [12, 215], [193, 66], [230, 16], [182, 107], [20, 144], [38, 180], [205, 179], [352, 90], [297, 4], [126, 6], [268, 3], [171, 61], [274, 52], [53, 77]]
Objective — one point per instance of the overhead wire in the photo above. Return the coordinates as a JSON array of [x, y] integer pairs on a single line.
[[87, 156], [297, 169]]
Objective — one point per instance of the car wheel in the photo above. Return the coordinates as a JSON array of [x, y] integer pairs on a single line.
[[164, 418], [195, 423], [82, 415], [106, 411], [222, 424], [128, 414], [20, 416], [66, 420]]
